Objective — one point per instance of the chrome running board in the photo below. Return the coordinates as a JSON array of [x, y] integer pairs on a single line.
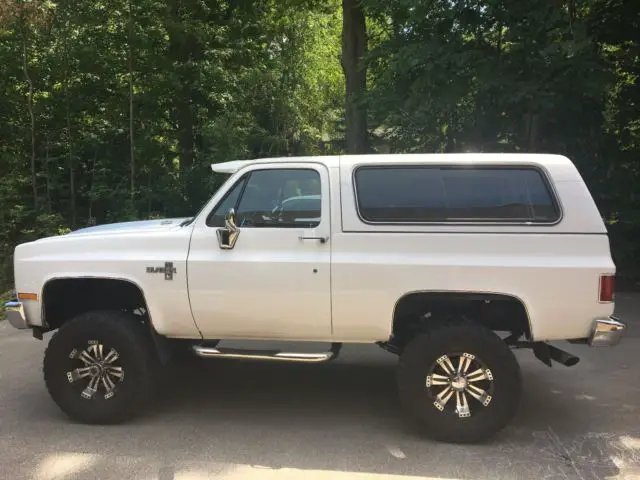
[[268, 355]]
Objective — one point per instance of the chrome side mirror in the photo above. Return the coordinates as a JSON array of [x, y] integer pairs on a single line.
[[228, 236]]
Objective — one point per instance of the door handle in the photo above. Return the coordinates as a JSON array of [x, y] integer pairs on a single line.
[[322, 239]]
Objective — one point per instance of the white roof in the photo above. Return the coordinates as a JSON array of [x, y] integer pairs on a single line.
[[230, 167], [406, 158], [235, 165]]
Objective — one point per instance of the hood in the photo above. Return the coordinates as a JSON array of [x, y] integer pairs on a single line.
[[135, 226]]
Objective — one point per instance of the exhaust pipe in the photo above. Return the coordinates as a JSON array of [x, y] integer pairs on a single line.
[[545, 353], [560, 356]]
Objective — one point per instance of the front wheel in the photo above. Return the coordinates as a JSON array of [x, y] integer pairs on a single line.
[[97, 367], [460, 382]]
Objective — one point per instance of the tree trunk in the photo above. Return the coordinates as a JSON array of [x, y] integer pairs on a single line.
[[451, 140], [131, 137], [532, 121], [354, 47], [499, 46], [72, 173], [572, 14], [93, 183], [180, 40], [32, 118], [149, 194], [47, 175], [184, 119]]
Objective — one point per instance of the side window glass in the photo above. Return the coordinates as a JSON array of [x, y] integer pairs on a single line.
[[410, 194], [216, 218], [281, 198]]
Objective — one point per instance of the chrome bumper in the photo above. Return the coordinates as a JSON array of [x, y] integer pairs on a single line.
[[15, 314], [607, 332]]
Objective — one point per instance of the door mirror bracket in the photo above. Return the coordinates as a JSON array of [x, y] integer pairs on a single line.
[[228, 236]]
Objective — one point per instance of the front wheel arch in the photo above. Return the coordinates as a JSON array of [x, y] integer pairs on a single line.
[[64, 298]]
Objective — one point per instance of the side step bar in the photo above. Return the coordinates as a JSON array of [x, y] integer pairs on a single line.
[[268, 355]]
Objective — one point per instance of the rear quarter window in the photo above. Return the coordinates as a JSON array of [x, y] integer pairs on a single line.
[[438, 194]]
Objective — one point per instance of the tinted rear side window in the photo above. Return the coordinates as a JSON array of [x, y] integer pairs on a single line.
[[419, 194]]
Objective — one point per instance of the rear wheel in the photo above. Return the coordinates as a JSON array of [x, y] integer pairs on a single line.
[[461, 382], [98, 367]]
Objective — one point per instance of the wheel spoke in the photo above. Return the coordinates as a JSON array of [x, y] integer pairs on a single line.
[[117, 372], [91, 389], [435, 379], [78, 373], [479, 395], [111, 357], [443, 397], [480, 374], [108, 383], [86, 357], [447, 366], [96, 349], [462, 406], [476, 376], [461, 362], [464, 363]]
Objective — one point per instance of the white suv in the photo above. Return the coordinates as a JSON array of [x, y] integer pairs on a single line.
[[448, 261]]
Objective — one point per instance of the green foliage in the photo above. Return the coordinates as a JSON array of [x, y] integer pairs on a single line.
[[524, 75], [187, 82], [4, 298], [114, 110]]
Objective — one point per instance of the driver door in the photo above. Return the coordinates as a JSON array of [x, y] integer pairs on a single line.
[[264, 272]]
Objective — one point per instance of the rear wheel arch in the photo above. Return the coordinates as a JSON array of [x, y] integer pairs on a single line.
[[415, 311]]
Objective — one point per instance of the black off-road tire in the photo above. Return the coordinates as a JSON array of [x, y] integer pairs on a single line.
[[422, 353], [115, 330]]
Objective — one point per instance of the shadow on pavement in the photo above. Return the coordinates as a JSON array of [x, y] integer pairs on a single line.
[[214, 417], [342, 420]]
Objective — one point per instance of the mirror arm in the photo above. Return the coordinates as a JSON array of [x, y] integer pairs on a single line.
[[228, 236]]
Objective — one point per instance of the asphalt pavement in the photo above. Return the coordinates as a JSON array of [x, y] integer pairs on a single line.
[[222, 419]]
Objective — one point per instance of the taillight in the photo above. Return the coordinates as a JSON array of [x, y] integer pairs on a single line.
[[607, 287]]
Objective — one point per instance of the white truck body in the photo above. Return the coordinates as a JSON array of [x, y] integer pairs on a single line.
[[429, 256], [266, 288]]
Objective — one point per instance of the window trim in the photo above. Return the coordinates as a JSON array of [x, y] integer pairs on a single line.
[[246, 177], [544, 174]]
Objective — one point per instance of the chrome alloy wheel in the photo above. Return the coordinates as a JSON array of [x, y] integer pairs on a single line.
[[469, 381], [103, 371]]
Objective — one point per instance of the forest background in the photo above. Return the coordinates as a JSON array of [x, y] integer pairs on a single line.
[[113, 110]]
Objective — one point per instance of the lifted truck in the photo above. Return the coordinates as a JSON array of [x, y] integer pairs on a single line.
[[447, 260]]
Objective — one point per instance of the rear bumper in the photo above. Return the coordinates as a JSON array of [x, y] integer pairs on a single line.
[[15, 314], [607, 332]]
